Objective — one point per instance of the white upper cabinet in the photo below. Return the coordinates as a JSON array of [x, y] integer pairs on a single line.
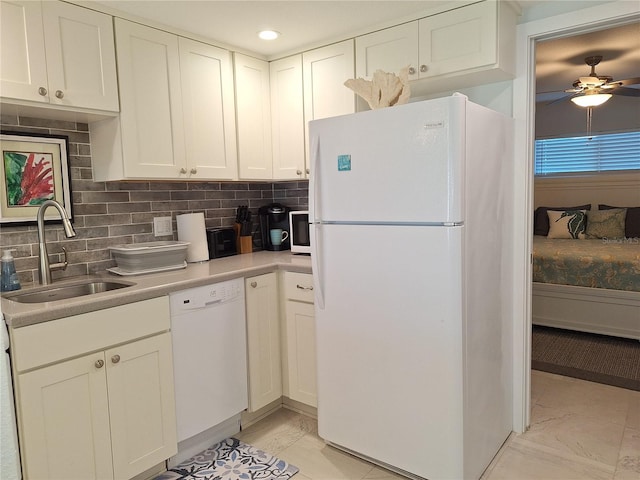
[[209, 113], [177, 119], [458, 40], [152, 120], [390, 50], [324, 72], [58, 54], [253, 118], [466, 46], [287, 118]]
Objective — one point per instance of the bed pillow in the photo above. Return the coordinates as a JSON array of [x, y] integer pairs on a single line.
[[566, 224], [541, 220], [606, 223], [631, 222]]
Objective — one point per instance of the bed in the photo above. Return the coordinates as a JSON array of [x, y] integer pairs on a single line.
[[590, 285]]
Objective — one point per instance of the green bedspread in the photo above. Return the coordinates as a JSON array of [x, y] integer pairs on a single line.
[[610, 264]]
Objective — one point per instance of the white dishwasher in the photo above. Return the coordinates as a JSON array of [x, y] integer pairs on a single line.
[[208, 330]]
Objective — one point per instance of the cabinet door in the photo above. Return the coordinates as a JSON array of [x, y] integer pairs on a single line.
[[64, 420], [458, 40], [324, 72], [263, 339], [152, 126], [287, 118], [209, 112], [141, 404], [301, 352], [81, 63], [390, 50], [253, 118], [22, 59]]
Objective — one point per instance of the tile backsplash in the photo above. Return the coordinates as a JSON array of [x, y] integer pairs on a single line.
[[112, 213]]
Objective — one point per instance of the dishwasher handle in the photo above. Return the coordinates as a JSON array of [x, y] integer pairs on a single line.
[[190, 304]]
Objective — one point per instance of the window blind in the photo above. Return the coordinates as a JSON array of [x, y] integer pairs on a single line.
[[599, 153]]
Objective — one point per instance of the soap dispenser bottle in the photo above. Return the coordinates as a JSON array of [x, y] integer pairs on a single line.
[[9, 280]]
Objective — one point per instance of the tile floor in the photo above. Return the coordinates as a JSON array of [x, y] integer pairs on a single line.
[[579, 430]]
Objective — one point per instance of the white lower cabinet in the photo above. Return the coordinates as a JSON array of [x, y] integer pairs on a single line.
[[109, 413], [300, 335], [263, 340]]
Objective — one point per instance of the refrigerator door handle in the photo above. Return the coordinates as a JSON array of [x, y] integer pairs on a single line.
[[314, 180], [316, 253]]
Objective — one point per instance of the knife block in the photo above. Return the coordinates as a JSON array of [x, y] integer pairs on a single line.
[[244, 244]]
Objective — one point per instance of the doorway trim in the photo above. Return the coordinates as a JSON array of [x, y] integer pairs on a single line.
[[573, 23]]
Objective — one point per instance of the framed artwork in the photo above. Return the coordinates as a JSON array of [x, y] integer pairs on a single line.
[[34, 168]]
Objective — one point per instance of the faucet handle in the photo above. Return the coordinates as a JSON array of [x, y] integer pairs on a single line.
[[62, 265]]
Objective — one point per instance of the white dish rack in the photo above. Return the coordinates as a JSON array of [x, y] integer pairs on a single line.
[[149, 257]]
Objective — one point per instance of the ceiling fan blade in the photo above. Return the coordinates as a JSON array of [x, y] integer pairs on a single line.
[[627, 92], [560, 100], [549, 96], [629, 81]]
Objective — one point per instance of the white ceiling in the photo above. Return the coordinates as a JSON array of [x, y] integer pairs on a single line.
[[304, 24], [301, 23]]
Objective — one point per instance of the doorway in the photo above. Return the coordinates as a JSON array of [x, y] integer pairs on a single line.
[[589, 19]]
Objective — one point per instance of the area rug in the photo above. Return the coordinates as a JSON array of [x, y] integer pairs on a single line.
[[588, 356], [231, 459]]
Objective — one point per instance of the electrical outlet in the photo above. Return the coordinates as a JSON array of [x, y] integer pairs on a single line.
[[162, 226]]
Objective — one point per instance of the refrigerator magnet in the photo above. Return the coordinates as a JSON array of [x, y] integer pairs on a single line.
[[344, 163]]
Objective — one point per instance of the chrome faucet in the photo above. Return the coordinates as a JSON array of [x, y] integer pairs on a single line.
[[44, 269]]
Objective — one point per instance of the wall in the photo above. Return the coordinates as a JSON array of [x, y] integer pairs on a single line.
[[111, 213], [565, 119]]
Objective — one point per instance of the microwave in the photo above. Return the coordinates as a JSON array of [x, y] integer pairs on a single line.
[[299, 231]]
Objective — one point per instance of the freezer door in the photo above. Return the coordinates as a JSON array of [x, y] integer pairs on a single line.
[[389, 344], [400, 164]]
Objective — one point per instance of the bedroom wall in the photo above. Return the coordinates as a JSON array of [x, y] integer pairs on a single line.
[[612, 189], [566, 119], [111, 213]]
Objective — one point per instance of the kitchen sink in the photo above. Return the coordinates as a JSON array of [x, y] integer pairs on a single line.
[[64, 291]]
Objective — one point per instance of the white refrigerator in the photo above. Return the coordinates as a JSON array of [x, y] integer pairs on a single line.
[[410, 251]]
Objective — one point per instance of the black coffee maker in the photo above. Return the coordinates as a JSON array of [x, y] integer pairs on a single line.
[[274, 215]]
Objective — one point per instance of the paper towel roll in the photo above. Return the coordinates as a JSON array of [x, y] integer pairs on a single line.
[[191, 229]]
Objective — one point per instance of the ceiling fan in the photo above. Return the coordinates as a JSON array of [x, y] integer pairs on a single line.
[[594, 90]]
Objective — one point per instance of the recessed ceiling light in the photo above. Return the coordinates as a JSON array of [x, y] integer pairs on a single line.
[[268, 34]]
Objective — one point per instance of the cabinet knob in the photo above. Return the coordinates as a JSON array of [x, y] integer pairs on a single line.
[[298, 172], [115, 359], [308, 171], [412, 70], [423, 68], [59, 94], [193, 171], [99, 363], [42, 91], [253, 284], [183, 170]]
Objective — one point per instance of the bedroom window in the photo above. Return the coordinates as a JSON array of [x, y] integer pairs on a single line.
[[598, 153]]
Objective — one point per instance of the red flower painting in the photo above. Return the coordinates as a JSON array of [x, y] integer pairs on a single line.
[[29, 178]]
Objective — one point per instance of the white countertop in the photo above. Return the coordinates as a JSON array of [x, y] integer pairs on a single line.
[[153, 285]]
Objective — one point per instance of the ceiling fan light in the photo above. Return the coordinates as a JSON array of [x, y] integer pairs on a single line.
[[592, 100]]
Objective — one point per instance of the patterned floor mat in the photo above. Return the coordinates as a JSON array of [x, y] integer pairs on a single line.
[[231, 459]]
